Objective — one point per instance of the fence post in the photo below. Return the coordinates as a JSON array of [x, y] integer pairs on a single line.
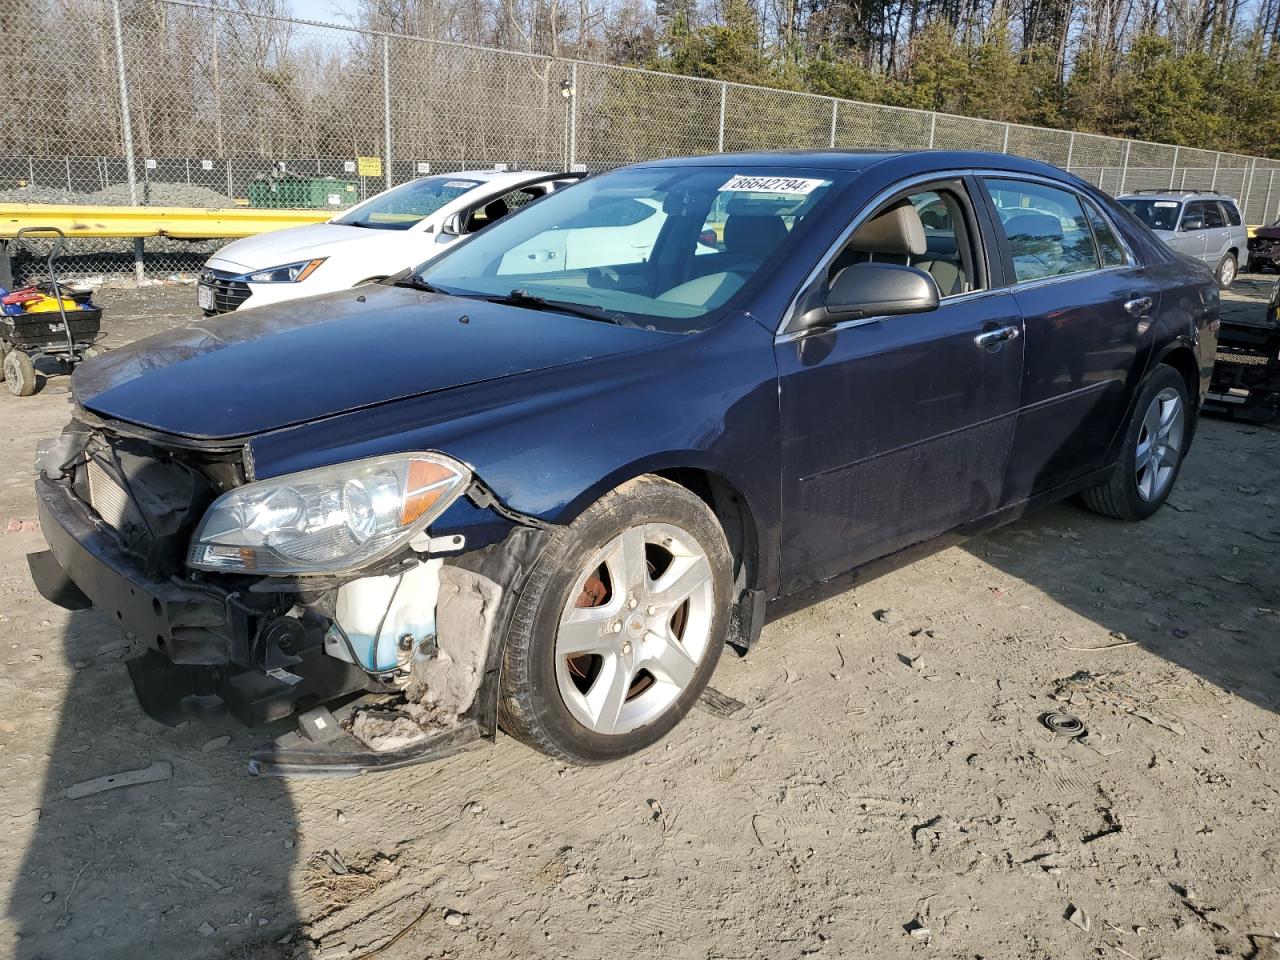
[[386, 103], [217, 96], [1071, 150], [835, 116], [1213, 184], [1124, 167], [1266, 210], [1173, 171], [1004, 147], [724, 95], [933, 126], [1248, 188], [573, 114], [126, 130]]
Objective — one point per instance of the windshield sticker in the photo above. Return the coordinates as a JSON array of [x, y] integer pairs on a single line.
[[797, 186], [1166, 203], [461, 184]]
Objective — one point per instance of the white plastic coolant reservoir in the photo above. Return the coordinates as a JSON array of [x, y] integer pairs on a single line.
[[375, 612]]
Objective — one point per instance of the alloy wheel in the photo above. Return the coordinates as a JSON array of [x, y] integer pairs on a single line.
[[1227, 273], [635, 629], [1159, 444]]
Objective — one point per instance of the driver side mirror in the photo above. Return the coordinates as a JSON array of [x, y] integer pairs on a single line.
[[865, 290], [1193, 223]]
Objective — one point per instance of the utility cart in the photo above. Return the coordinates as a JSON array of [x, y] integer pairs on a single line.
[[47, 319]]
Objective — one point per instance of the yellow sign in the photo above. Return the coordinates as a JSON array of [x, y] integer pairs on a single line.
[[369, 166]]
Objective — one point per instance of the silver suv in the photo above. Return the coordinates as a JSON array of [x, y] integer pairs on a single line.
[[1199, 223]]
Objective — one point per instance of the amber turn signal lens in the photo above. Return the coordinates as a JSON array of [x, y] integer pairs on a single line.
[[428, 482]]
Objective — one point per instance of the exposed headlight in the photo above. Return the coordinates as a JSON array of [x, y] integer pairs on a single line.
[[329, 520], [287, 273]]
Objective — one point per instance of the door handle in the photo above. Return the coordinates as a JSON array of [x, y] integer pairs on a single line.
[[999, 335], [1138, 305]]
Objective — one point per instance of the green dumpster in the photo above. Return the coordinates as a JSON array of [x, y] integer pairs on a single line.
[[289, 191]]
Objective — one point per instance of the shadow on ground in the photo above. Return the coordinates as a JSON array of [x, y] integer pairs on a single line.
[[123, 872]]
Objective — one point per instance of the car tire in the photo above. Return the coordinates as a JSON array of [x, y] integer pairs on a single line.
[[591, 687], [1155, 443], [19, 374], [1227, 270]]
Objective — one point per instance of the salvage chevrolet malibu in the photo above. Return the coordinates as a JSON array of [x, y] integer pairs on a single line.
[[508, 492]]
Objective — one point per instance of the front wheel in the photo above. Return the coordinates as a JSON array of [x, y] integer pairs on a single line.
[[1226, 271], [620, 626], [19, 374], [1154, 446]]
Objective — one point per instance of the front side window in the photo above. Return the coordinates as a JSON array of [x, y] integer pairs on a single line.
[[1156, 214], [632, 245], [1194, 216], [407, 204], [926, 229], [1048, 233]]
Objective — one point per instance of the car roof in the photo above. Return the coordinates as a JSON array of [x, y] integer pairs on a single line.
[[860, 160], [491, 175], [1176, 195]]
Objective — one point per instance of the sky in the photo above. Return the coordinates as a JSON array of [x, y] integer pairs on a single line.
[[328, 11]]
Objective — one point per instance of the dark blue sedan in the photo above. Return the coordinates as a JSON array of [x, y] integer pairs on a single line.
[[540, 483]]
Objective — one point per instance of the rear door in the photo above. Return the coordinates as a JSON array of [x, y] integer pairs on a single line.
[[1084, 300], [897, 429], [1217, 233]]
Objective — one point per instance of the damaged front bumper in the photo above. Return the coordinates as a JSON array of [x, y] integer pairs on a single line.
[[268, 647], [203, 646]]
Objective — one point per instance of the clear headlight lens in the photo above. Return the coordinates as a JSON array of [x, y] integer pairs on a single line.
[[328, 520], [287, 273]]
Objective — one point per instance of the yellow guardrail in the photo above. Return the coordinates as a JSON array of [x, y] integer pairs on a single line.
[[184, 223]]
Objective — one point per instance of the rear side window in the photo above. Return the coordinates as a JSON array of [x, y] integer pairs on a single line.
[[1048, 233], [1109, 248], [1213, 216], [1233, 215]]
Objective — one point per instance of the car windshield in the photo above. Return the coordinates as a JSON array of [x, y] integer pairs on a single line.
[[407, 204], [1156, 214], [661, 247]]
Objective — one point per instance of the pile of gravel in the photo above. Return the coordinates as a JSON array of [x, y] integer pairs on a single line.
[[117, 195]]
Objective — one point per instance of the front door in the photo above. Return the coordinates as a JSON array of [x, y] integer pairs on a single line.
[[1192, 236], [1084, 301], [897, 429]]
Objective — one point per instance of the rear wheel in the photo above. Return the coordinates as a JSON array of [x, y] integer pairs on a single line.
[[620, 626], [1226, 271], [19, 374], [1154, 445]]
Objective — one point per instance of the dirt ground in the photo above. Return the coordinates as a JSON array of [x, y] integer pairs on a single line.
[[889, 792]]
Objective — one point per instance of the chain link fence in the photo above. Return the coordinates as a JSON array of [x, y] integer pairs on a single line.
[[175, 103]]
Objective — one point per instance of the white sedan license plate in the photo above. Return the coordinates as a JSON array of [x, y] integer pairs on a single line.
[[204, 296]]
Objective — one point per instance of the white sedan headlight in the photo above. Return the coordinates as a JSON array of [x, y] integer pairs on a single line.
[[287, 272], [329, 520]]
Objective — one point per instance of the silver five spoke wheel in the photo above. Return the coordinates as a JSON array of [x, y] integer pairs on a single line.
[[635, 628], [1159, 444]]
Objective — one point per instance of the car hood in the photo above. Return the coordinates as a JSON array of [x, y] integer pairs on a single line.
[[244, 374], [1267, 233], [278, 247]]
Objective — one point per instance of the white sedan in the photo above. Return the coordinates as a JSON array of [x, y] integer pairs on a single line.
[[401, 227]]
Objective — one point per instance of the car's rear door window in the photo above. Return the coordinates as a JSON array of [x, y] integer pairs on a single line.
[[1109, 247], [1046, 228], [1233, 214]]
